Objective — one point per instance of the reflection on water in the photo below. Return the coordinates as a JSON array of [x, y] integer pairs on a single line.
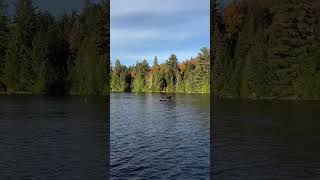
[[266, 139], [159, 140], [53, 137]]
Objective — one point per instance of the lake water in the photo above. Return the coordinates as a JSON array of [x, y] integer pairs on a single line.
[[159, 140], [53, 137], [67, 137], [266, 139]]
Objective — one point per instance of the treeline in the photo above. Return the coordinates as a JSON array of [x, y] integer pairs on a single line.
[[185, 77], [267, 49], [44, 54]]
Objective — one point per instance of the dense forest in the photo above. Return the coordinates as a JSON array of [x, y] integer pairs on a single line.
[[267, 48], [44, 54], [186, 77], [261, 48]]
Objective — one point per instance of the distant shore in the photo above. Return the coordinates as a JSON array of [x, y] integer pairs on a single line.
[[159, 92], [229, 97], [268, 98], [17, 93]]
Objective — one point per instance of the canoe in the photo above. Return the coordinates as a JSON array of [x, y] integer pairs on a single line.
[[166, 99]]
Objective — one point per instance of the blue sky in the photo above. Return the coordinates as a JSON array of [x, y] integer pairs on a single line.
[[142, 29], [59, 7], [56, 7]]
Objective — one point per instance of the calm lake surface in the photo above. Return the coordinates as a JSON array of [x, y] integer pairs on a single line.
[[159, 140], [53, 137], [266, 139]]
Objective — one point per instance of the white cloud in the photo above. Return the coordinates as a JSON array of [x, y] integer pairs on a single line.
[[180, 32], [142, 31], [121, 37], [127, 7]]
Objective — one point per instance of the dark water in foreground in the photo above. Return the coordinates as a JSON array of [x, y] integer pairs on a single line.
[[53, 138], [266, 139], [159, 140]]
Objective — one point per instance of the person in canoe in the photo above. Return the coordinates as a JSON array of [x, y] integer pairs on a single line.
[[167, 98]]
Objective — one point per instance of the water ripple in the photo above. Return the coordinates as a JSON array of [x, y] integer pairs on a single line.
[[155, 140]]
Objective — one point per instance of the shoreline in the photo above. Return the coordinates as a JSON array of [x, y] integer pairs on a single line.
[[223, 98], [159, 92], [269, 98], [18, 93], [230, 98]]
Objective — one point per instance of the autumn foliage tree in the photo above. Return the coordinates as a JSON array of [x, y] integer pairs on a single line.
[[267, 49], [171, 76]]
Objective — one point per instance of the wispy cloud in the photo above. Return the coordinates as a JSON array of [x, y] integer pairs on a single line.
[[163, 7], [145, 28]]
